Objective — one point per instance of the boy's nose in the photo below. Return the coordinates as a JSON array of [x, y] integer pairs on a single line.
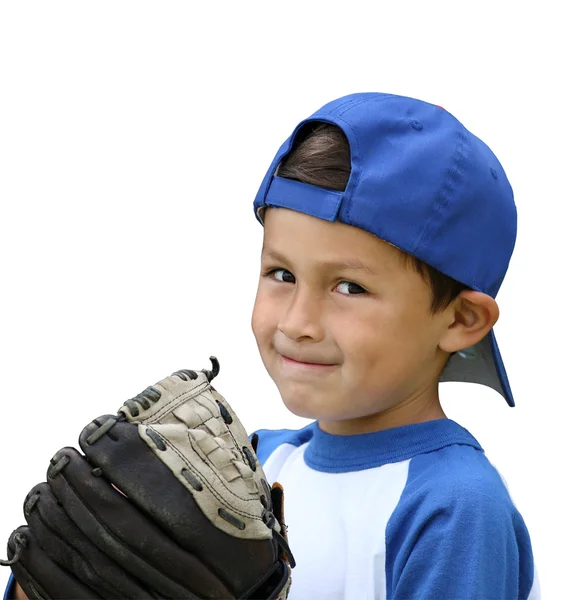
[[302, 318]]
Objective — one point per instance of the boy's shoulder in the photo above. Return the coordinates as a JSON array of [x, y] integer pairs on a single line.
[[456, 480], [457, 469], [456, 503]]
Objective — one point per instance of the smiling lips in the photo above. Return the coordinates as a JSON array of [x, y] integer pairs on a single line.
[[313, 365]]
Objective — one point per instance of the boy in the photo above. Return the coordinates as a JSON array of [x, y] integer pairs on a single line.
[[388, 229]]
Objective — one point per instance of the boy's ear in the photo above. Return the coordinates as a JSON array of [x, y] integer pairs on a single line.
[[472, 316]]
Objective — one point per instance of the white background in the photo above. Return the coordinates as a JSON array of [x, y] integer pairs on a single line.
[[133, 138]]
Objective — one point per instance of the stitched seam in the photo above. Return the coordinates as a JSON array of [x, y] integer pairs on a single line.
[[351, 103], [354, 102], [445, 193], [166, 408]]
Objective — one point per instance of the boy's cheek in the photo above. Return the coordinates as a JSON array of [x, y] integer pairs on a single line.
[[261, 322], [264, 311]]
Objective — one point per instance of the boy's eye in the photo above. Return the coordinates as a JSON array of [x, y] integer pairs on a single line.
[[282, 275], [349, 288]]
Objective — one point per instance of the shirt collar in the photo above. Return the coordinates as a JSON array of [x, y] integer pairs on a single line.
[[343, 453]]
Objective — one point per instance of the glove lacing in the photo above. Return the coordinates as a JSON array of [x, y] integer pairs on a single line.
[[151, 394], [20, 541], [281, 541], [270, 521]]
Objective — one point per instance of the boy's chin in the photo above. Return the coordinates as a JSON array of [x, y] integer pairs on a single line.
[[299, 406], [309, 408]]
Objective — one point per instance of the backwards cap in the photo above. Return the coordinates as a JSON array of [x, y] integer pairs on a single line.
[[422, 182]]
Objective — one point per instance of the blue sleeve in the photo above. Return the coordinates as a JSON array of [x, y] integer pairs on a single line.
[[457, 536], [10, 588]]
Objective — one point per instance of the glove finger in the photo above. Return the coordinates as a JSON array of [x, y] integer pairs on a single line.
[[40, 577], [65, 543], [129, 463], [121, 531]]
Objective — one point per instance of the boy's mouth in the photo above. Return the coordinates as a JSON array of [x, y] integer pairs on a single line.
[[299, 363]]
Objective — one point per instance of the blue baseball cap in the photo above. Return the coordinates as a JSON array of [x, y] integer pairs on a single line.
[[422, 182]]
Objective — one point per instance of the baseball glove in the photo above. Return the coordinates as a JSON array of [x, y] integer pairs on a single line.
[[167, 501]]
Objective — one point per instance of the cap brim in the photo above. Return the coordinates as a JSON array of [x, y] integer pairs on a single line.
[[481, 364]]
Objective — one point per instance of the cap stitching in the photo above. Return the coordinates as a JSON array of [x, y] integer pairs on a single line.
[[339, 110], [445, 194], [358, 101], [378, 99]]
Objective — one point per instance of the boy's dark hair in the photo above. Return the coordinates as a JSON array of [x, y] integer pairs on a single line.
[[321, 156]]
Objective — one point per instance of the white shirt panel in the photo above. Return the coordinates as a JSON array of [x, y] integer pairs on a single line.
[[339, 535]]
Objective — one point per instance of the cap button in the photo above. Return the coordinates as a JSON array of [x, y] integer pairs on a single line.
[[417, 125]]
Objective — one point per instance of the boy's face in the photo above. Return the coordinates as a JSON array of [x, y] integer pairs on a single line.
[[344, 327]]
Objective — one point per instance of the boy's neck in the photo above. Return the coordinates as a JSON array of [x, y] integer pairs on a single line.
[[416, 410]]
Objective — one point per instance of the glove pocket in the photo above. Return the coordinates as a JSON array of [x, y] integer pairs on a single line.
[[129, 463]]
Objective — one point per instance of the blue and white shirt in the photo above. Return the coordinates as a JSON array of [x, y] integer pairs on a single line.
[[413, 512]]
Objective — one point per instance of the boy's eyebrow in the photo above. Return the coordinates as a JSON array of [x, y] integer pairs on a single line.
[[337, 265]]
